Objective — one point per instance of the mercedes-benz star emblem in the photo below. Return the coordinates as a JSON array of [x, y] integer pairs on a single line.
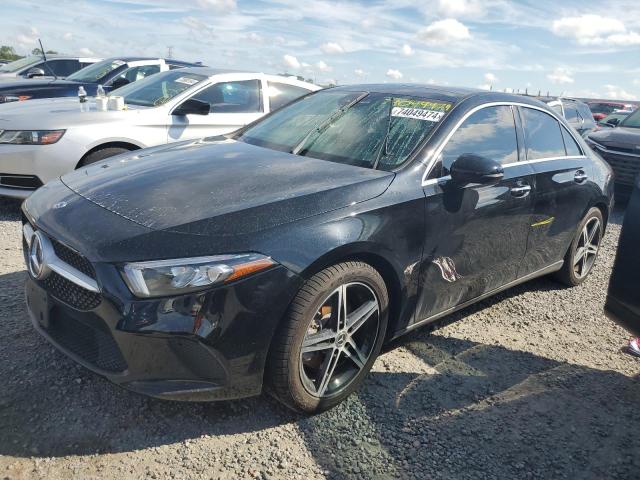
[[37, 262]]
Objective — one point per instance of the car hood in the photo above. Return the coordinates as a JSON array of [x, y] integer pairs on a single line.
[[57, 113], [12, 83], [222, 187], [617, 137]]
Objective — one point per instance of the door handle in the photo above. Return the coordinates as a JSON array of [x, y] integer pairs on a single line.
[[521, 191], [580, 176]]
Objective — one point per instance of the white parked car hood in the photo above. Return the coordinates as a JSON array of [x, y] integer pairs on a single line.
[[56, 113]]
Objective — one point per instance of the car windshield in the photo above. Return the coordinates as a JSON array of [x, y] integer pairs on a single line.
[[632, 121], [93, 73], [158, 89], [18, 64], [372, 130]]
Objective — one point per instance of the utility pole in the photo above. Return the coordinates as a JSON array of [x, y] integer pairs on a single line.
[[170, 51]]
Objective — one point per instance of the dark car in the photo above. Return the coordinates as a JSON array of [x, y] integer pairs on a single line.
[[620, 147], [35, 66], [623, 302], [290, 251], [604, 108], [576, 113], [111, 73]]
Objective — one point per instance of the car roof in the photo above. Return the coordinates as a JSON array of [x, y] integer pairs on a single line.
[[445, 93], [209, 71], [172, 61]]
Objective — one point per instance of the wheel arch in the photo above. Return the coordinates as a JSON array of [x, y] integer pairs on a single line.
[[370, 254], [113, 144]]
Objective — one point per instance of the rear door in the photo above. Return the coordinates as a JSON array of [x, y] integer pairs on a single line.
[[476, 235], [562, 175], [233, 104]]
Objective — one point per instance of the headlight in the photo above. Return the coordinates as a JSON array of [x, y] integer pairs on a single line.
[[13, 98], [175, 277], [30, 137]]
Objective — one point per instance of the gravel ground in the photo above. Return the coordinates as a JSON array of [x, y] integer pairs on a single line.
[[529, 384]]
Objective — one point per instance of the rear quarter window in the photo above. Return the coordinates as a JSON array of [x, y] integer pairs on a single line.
[[542, 135]]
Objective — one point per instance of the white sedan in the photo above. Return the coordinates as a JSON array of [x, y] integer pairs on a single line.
[[43, 139]]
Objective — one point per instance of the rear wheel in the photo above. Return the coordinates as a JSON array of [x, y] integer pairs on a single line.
[[101, 154], [330, 338], [584, 249]]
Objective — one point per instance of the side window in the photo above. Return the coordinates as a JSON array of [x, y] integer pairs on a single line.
[[570, 144], [233, 97], [64, 68], [557, 108], [542, 135], [281, 94], [134, 74], [489, 132], [571, 114]]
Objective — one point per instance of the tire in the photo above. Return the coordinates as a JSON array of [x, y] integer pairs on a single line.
[[101, 154], [571, 273], [289, 371]]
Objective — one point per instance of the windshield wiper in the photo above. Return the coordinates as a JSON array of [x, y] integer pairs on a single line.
[[324, 125]]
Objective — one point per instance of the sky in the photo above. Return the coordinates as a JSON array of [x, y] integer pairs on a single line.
[[579, 48]]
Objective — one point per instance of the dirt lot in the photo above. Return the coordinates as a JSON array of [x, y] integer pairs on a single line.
[[530, 384]]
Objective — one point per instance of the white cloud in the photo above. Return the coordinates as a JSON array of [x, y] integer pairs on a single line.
[[595, 30], [444, 32], [291, 62], [220, 6], [490, 78], [560, 76], [485, 86], [323, 67], [460, 8], [406, 50], [86, 52], [616, 93], [68, 36], [359, 72], [332, 48], [254, 37], [195, 24], [395, 74]]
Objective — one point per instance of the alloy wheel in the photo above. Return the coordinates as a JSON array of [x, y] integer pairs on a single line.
[[339, 339], [587, 248]]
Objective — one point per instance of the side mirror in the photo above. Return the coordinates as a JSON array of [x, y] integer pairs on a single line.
[[613, 122], [35, 72], [192, 107], [120, 82], [470, 168]]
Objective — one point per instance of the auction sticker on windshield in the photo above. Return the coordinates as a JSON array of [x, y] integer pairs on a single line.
[[186, 80], [419, 109]]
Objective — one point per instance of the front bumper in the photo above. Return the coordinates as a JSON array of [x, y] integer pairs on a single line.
[[40, 163], [200, 347]]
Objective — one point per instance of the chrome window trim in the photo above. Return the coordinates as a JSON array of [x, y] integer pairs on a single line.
[[61, 268], [436, 153], [508, 165]]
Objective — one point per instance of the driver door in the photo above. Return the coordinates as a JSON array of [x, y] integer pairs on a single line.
[[476, 235], [233, 104]]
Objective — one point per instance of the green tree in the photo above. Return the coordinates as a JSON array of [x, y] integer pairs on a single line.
[[8, 53]]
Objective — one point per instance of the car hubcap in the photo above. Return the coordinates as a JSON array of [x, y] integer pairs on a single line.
[[587, 248], [339, 339]]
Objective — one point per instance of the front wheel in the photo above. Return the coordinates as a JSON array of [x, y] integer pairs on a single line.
[[331, 336], [584, 249]]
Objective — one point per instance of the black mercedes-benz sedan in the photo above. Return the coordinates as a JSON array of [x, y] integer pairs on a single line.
[[286, 254]]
